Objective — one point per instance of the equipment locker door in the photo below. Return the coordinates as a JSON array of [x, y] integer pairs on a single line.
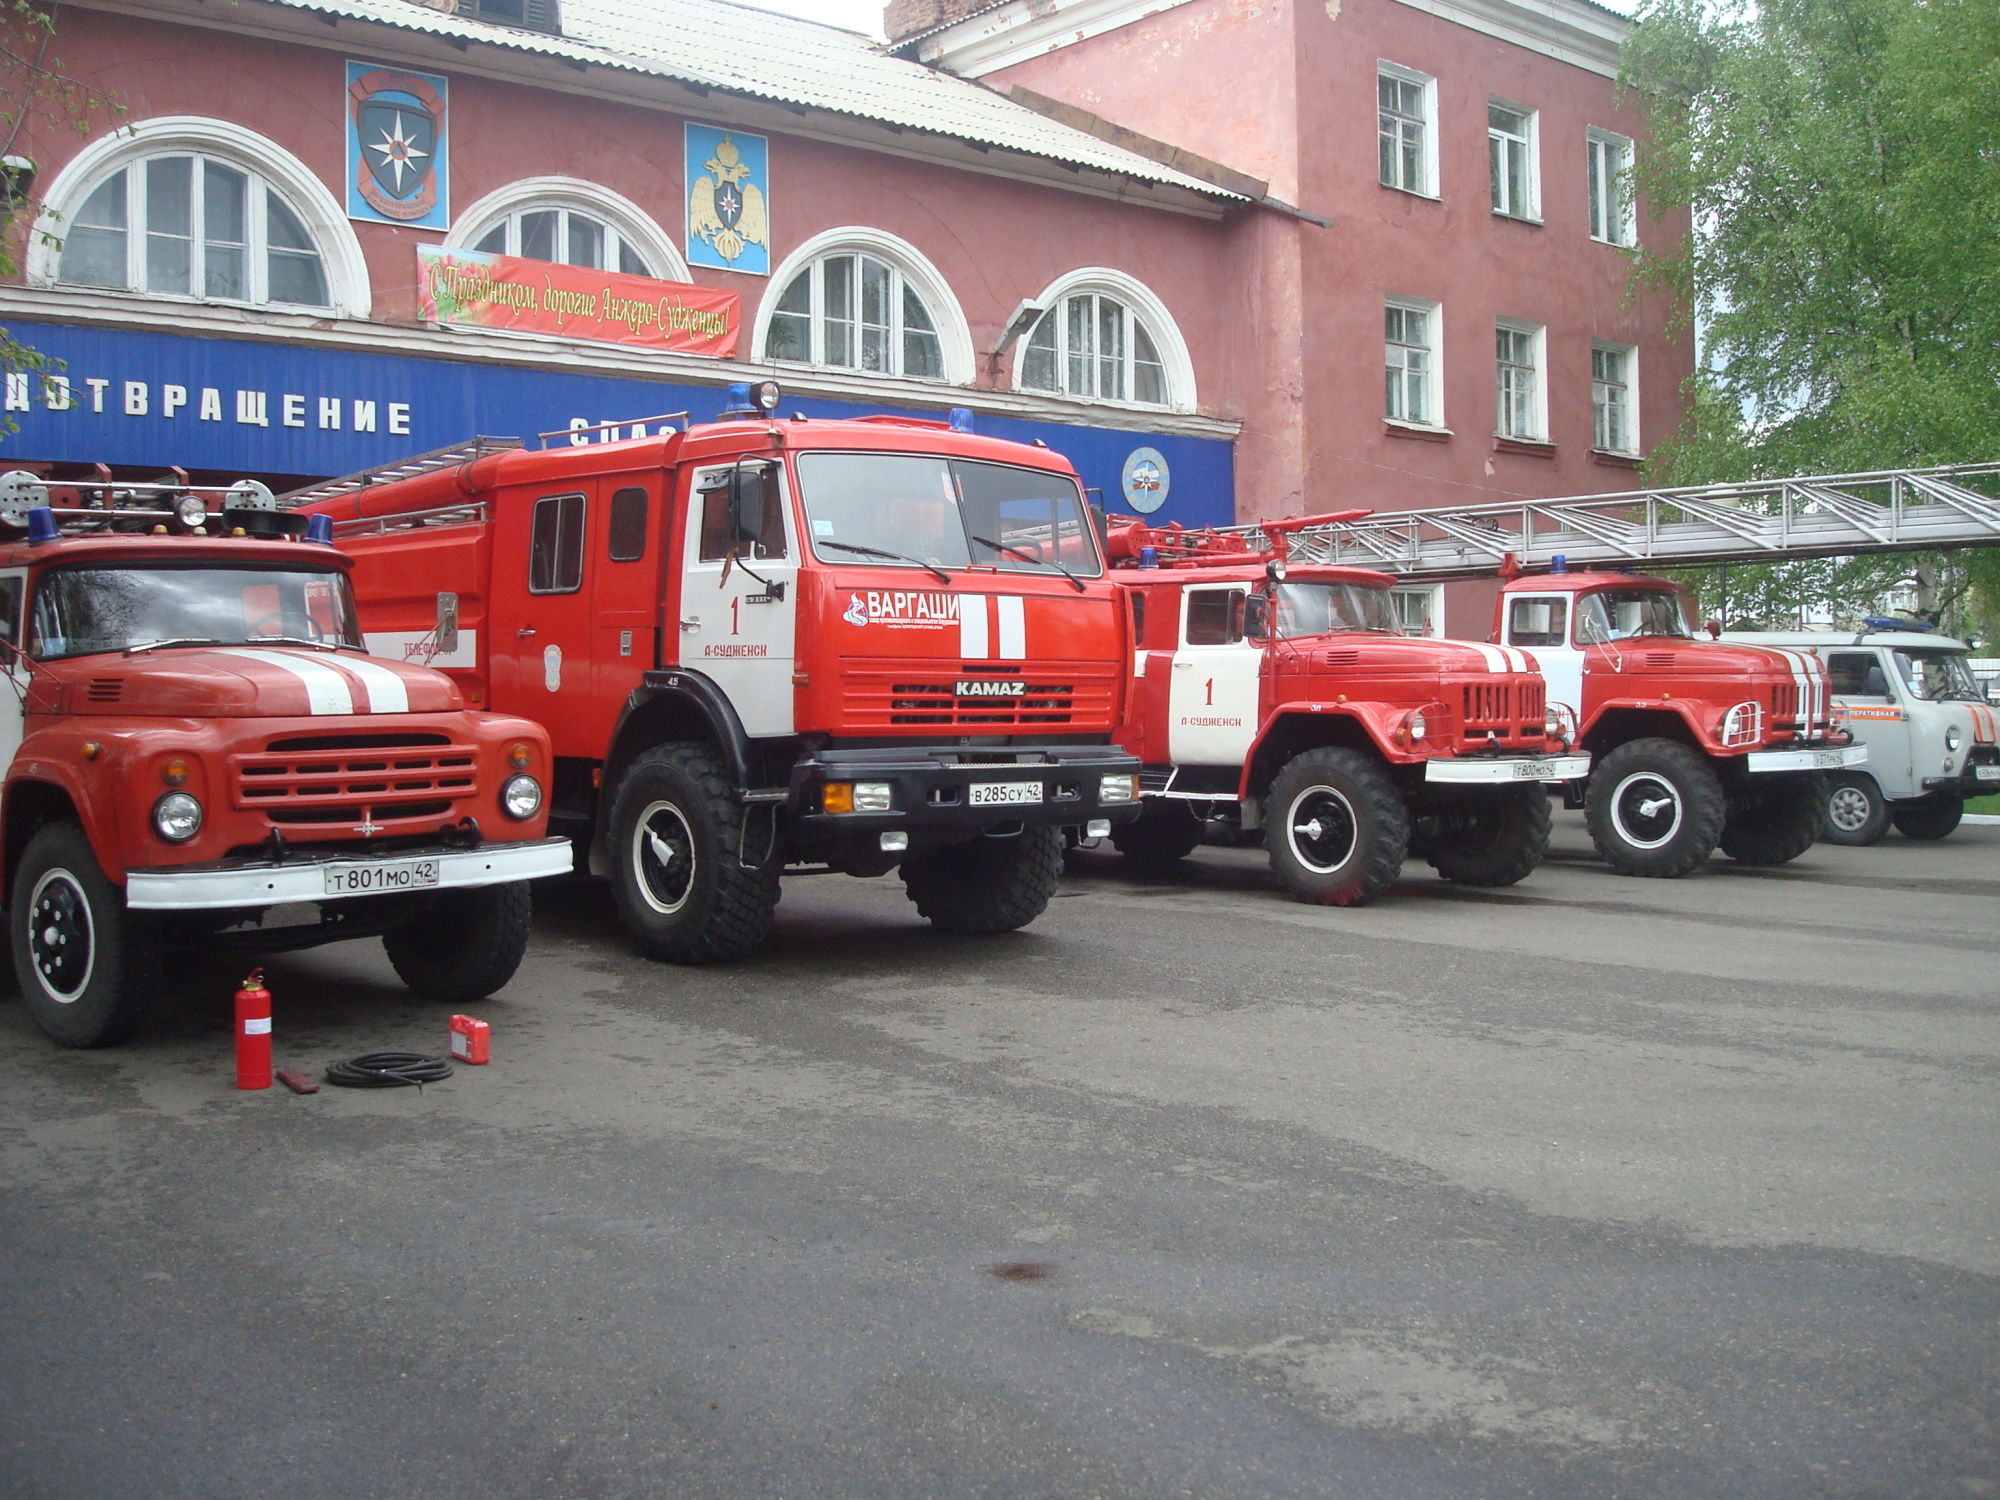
[[739, 597], [1212, 697], [1539, 623], [544, 560]]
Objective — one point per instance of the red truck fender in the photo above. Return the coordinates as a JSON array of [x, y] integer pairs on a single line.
[[1686, 710], [37, 785], [1280, 738]]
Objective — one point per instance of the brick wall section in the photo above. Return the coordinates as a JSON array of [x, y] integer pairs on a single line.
[[907, 17]]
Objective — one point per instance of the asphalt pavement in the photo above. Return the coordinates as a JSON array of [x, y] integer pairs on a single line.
[[1591, 1187]]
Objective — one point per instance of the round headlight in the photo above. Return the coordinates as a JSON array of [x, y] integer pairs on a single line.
[[1951, 737], [191, 511], [177, 817], [1415, 725], [521, 797], [766, 394]]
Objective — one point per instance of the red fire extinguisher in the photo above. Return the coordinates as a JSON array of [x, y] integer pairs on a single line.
[[253, 1033]]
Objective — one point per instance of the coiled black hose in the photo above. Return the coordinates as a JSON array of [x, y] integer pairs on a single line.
[[388, 1070]]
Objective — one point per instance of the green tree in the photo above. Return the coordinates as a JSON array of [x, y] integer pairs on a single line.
[[1840, 163]]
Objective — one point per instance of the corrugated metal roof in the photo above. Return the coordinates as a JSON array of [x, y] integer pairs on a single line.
[[757, 53]]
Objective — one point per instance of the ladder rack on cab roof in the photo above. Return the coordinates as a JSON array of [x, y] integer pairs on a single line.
[[402, 468]]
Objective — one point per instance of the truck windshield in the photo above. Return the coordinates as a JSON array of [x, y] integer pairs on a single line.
[[1620, 614], [1327, 608], [1940, 676], [944, 512], [83, 610]]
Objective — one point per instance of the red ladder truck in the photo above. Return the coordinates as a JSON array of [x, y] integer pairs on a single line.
[[763, 642], [1285, 697], [195, 735]]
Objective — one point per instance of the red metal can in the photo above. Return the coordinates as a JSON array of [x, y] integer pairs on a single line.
[[471, 1041], [253, 1033]]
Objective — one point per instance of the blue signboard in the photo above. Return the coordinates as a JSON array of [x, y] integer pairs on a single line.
[[157, 400]]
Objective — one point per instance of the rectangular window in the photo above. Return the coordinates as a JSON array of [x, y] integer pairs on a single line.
[[169, 224], [1610, 188], [1510, 150], [1517, 368], [628, 524], [1612, 427], [759, 486], [1412, 364], [1537, 622], [1403, 101], [1215, 617], [555, 558], [1419, 611], [1856, 674]]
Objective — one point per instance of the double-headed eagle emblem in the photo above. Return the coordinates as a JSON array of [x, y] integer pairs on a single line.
[[726, 212]]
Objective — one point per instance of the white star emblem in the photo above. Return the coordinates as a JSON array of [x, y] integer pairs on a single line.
[[399, 152]]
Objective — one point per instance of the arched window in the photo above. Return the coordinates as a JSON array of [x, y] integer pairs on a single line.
[[1104, 337], [862, 300], [571, 222], [203, 209]]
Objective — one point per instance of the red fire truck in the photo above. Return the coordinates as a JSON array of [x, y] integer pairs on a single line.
[[1285, 697], [195, 737], [1694, 743], [764, 642]]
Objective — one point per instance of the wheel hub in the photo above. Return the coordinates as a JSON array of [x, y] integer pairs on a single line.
[[1646, 810], [61, 936], [1848, 809], [1322, 829], [663, 858]]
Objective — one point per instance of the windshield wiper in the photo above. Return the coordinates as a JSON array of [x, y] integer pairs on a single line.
[[300, 640], [178, 640], [878, 552], [1040, 562]]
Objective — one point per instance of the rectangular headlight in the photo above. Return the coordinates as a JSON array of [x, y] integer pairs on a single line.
[[873, 797], [1117, 789]]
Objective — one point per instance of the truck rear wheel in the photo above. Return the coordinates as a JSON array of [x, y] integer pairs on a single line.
[[1655, 808], [677, 869], [1932, 818], [1338, 831], [1775, 819], [88, 968], [986, 885], [1165, 830], [1857, 814], [464, 945], [1492, 838]]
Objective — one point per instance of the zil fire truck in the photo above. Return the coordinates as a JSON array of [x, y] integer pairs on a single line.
[[1694, 743], [1285, 697], [762, 642], [196, 737]]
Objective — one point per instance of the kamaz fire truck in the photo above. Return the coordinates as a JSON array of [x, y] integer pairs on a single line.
[[1284, 697], [1694, 743], [202, 755], [766, 642]]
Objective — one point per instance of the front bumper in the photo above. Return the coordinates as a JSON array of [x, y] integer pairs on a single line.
[[933, 790], [1502, 770], [1817, 758], [263, 883], [1977, 780]]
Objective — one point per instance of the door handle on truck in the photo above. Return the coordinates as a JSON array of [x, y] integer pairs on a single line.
[[525, 631], [691, 624], [1183, 666]]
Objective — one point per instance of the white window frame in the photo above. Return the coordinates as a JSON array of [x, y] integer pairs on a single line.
[[1630, 354], [954, 333], [347, 286], [1434, 333], [1529, 211], [1140, 299], [1538, 401], [1426, 602], [1429, 154], [627, 219], [1609, 203]]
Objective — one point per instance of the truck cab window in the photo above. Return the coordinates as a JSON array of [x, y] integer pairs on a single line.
[[555, 558], [10, 612], [1214, 617], [629, 509], [1856, 674], [759, 481], [1538, 622], [1938, 676]]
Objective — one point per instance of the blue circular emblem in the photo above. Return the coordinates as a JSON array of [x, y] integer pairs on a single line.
[[1146, 480]]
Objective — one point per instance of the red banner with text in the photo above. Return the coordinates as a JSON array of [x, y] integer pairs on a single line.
[[474, 289]]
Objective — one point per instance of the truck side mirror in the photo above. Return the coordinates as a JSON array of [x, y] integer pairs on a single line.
[[447, 624], [746, 504], [1715, 630], [1257, 617]]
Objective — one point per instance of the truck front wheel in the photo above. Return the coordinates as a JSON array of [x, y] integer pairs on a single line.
[[1932, 818], [1165, 830], [1776, 819], [677, 867], [1655, 808], [88, 968], [1857, 814], [1492, 838], [463, 945], [986, 885], [1338, 832]]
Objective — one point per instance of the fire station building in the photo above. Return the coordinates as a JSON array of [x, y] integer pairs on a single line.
[[1232, 260]]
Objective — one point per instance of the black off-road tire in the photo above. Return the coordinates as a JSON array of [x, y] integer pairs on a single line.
[[461, 946], [1776, 818], [1675, 839], [1336, 829], [1857, 814], [1492, 838], [694, 903], [986, 885], [88, 968], [1165, 830], [1931, 818]]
